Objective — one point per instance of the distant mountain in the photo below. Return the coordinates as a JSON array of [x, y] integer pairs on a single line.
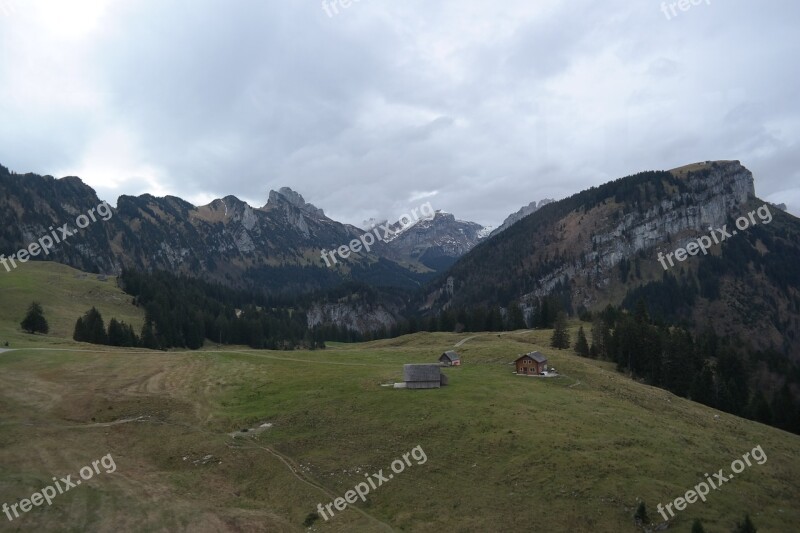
[[522, 213], [601, 247], [276, 247], [436, 242]]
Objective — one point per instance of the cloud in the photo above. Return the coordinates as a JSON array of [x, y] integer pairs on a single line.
[[481, 108]]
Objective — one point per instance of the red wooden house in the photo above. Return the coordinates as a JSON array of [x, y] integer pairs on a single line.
[[531, 364]]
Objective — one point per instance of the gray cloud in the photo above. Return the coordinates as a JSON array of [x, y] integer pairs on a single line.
[[477, 108]]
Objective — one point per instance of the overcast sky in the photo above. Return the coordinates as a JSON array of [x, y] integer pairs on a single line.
[[478, 107]]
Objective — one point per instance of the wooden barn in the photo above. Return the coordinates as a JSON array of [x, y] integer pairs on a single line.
[[531, 364], [423, 377], [450, 358]]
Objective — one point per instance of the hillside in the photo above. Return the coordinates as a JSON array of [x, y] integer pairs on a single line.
[[588, 445], [65, 294], [567, 454], [601, 246]]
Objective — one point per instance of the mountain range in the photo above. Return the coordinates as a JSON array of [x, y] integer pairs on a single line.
[[598, 247], [273, 248], [601, 246]]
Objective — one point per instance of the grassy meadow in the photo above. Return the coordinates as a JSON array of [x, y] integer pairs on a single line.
[[504, 453]]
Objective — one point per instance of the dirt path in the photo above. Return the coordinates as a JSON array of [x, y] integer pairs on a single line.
[[294, 469], [462, 341], [316, 362], [296, 472]]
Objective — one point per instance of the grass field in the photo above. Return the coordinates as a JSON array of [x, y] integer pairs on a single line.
[[504, 453], [65, 294]]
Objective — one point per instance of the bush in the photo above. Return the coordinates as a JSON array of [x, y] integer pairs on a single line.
[[310, 519]]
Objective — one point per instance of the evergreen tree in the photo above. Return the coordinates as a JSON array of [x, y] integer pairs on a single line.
[[148, 337], [79, 333], [130, 336], [600, 335], [759, 408], [697, 526], [581, 346], [516, 320], [702, 390], [560, 338], [447, 321], [92, 329], [34, 321], [494, 320], [116, 333], [641, 514]]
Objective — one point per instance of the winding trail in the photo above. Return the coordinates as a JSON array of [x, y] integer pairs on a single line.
[[293, 467], [265, 356], [298, 473], [462, 341]]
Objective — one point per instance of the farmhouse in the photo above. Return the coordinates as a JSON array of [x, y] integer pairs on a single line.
[[531, 364], [423, 377], [450, 358]]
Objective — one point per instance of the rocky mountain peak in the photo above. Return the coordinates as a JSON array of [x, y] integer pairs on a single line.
[[522, 213], [285, 194]]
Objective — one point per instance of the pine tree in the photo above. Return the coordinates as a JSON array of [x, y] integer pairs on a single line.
[[697, 526], [560, 337], [93, 328], [702, 390], [516, 320], [148, 337], [34, 321], [116, 333], [581, 345], [130, 337], [79, 333], [600, 333], [641, 514]]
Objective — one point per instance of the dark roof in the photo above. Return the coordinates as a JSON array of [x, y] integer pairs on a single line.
[[451, 355], [539, 358], [421, 373], [536, 356]]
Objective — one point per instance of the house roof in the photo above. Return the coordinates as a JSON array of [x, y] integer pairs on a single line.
[[421, 373], [536, 356], [451, 355], [539, 358]]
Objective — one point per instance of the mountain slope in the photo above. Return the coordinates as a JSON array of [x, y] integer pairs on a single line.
[[276, 247], [436, 242], [573, 454], [522, 213], [601, 246]]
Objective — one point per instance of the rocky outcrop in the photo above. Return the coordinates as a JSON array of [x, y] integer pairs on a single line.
[[294, 198], [714, 192], [357, 316], [522, 213]]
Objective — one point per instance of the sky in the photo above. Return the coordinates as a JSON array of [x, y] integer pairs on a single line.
[[373, 109]]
